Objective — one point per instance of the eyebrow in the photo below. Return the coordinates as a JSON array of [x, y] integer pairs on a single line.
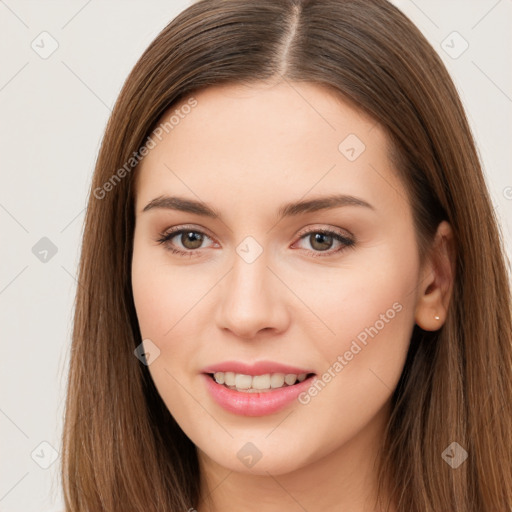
[[286, 210]]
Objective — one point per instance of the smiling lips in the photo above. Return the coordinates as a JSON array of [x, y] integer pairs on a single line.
[[255, 390]]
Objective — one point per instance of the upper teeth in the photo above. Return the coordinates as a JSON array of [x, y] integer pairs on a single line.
[[242, 382]]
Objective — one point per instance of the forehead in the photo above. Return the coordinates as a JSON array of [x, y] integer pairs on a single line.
[[256, 113], [268, 140]]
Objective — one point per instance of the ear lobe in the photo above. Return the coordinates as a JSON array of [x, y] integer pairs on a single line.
[[435, 290]]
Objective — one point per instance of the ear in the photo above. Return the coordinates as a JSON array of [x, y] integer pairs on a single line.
[[436, 284]]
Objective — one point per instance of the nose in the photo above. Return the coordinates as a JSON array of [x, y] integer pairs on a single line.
[[252, 300]]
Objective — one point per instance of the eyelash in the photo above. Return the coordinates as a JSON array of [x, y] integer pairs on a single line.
[[168, 235]]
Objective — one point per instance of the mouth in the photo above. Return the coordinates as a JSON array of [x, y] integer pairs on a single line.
[[256, 395], [257, 388], [265, 383]]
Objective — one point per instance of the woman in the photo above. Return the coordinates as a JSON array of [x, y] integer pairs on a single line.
[[293, 291]]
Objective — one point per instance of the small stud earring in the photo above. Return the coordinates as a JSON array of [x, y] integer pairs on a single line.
[[437, 317]]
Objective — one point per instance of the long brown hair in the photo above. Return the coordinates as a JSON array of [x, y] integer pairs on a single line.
[[122, 450]]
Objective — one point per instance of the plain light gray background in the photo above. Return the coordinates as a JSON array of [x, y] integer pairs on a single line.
[[53, 111]]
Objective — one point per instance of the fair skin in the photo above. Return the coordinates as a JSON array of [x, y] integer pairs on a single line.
[[246, 151]]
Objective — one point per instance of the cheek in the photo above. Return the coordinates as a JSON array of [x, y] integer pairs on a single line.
[[152, 299], [366, 313], [162, 293]]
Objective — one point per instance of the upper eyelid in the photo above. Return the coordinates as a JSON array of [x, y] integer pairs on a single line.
[[179, 229], [314, 229]]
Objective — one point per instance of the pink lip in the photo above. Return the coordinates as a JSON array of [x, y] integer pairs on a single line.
[[255, 404], [259, 368]]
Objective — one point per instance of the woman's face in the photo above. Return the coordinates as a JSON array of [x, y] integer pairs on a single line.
[[278, 278]]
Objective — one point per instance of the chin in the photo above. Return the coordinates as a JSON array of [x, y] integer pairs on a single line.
[[260, 458]]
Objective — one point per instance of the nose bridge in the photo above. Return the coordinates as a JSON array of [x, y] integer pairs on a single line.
[[249, 281], [251, 299]]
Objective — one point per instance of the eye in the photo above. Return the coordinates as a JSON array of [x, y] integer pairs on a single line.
[[321, 240], [190, 240]]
